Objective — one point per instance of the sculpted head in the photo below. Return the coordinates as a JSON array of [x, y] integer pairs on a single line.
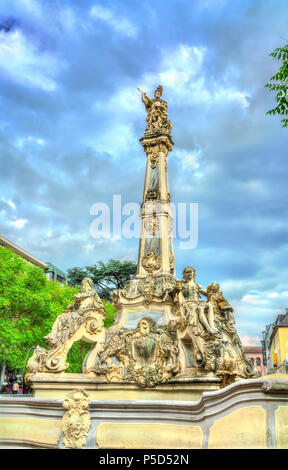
[[213, 288], [158, 92], [86, 285], [145, 324], [189, 273]]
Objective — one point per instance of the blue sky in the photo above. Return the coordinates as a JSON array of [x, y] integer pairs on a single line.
[[71, 118]]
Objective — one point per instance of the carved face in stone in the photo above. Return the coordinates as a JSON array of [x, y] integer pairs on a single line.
[[189, 273], [75, 427], [144, 325]]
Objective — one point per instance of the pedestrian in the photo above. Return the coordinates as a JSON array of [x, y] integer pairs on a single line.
[[15, 388]]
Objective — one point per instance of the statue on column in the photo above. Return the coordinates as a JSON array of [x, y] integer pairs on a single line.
[[157, 118]]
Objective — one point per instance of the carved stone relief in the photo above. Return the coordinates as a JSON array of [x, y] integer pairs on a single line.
[[76, 420], [151, 262], [152, 195], [152, 224], [147, 355]]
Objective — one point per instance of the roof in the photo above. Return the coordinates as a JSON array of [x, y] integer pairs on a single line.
[[252, 349], [24, 254], [282, 320], [52, 268]]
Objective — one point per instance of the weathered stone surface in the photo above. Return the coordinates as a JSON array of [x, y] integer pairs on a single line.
[[281, 424], [148, 436], [241, 415], [245, 428]]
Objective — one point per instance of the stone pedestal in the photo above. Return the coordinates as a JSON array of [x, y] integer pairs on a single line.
[[44, 386]]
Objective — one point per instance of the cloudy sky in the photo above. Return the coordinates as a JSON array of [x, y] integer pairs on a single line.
[[71, 118]]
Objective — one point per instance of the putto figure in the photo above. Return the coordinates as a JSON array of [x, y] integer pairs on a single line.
[[200, 313], [157, 118]]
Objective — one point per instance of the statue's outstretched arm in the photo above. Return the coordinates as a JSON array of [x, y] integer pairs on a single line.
[[145, 99]]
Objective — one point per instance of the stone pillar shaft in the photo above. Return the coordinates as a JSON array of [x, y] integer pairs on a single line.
[[156, 254]]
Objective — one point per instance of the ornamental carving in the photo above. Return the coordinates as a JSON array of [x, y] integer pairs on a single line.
[[84, 319], [147, 355], [150, 262], [152, 225], [152, 195], [154, 152], [76, 420], [154, 157], [152, 286]]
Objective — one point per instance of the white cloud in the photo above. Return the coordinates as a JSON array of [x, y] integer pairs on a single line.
[[232, 94], [253, 299], [19, 223], [11, 204], [250, 340], [272, 295], [182, 72], [30, 139], [190, 160], [118, 23], [24, 63]]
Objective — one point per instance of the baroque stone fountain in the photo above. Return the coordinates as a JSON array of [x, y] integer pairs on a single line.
[[172, 339]]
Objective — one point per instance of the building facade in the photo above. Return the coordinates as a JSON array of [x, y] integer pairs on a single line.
[[255, 353], [275, 345], [53, 273]]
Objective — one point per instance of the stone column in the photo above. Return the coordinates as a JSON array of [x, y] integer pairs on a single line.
[[156, 254]]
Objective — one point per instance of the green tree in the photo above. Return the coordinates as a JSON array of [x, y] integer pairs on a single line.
[[106, 276], [29, 305], [279, 83]]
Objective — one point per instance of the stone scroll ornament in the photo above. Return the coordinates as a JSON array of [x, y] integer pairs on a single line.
[[76, 420], [83, 320]]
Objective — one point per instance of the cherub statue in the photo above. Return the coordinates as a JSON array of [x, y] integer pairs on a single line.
[[223, 311], [199, 312], [157, 118]]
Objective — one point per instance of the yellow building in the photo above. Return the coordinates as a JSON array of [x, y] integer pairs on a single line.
[[276, 345]]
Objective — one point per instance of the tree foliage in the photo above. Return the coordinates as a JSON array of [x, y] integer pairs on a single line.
[[29, 305], [106, 276], [279, 83]]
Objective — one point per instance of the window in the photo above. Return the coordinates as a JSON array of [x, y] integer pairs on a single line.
[[258, 361]]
